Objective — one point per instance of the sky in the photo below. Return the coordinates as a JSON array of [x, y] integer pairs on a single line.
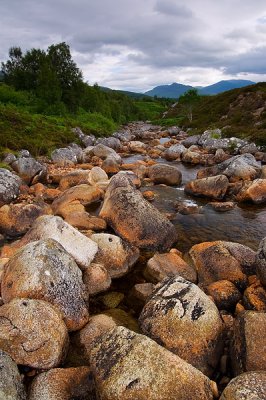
[[139, 44]]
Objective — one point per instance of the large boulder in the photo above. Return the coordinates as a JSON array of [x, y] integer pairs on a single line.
[[29, 169], [174, 152], [74, 178], [11, 387], [112, 142], [63, 384], [254, 192], [261, 262], [182, 318], [33, 333], [214, 187], [9, 186], [44, 270], [134, 218], [81, 248], [248, 351], [129, 366], [116, 255], [164, 173], [247, 386], [64, 156], [219, 260], [191, 140], [103, 152]]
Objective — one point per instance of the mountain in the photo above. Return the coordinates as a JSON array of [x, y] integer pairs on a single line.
[[175, 90], [133, 95], [223, 86], [172, 91]]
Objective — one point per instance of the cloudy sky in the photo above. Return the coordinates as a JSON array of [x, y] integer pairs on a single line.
[[139, 44]]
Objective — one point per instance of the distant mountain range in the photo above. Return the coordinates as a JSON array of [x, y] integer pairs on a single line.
[[176, 90]]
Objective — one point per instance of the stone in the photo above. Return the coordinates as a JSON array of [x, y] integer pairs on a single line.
[[116, 255], [74, 178], [254, 192], [187, 207], [137, 147], [261, 262], [191, 140], [44, 270], [16, 219], [9, 158], [132, 177], [165, 265], [247, 349], [84, 221], [111, 299], [250, 148], [112, 142], [222, 206], [103, 152], [110, 165], [29, 170], [254, 298], [9, 186], [127, 366], [182, 318], [213, 187], [63, 384], [174, 152], [33, 333], [219, 260], [11, 387], [64, 156], [192, 157], [77, 150], [98, 177], [96, 279], [224, 294], [139, 294], [134, 218], [166, 174], [81, 248], [247, 386]]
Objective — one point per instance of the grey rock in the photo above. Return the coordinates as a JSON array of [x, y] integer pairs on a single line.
[[164, 173], [64, 156], [112, 142], [261, 262], [9, 186], [247, 386], [174, 152], [29, 169], [11, 387]]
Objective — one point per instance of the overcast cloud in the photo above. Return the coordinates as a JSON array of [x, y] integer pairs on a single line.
[[136, 45]]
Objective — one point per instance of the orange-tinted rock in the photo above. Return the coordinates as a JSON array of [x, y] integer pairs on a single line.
[[74, 178], [222, 206], [224, 294], [96, 279], [247, 386], [261, 262], [33, 333], [254, 298], [149, 195], [164, 173], [84, 221], [254, 192], [214, 187]]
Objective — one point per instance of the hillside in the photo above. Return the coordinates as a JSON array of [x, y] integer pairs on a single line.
[[175, 90], [239, 112]]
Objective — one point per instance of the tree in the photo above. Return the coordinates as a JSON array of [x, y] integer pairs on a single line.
[[188, 101]]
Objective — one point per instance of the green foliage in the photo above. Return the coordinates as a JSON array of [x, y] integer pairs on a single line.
[[188, 101], [150, 109]]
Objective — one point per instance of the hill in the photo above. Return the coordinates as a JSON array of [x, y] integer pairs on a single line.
[[239, 112], [133, 95], [175, 90]]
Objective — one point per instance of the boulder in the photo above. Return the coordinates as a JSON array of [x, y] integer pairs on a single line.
[[182, 318], [64, 156], [103, 152], [174, 152], [137, 147], [112, 142], [219, 260], [164, 173], [44, 270], [138, 295], [63, 384], [33, 333], [29, 169], [169, 264], [77, 150], [96, 279], [74, 178], [11, 387], [16, 219], [110, 165], [191, 140], [248, 351], [75, 243], [250, 148], [98, 177], [261, 262], [254, 298], [9, 186], [213, 187], [247, 386], [134, 218], [116, 255], [84, 221], [192, 157], [128, 366], [225, 294], [254, 192]]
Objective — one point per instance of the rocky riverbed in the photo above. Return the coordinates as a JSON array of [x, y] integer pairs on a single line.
[[134, 267]]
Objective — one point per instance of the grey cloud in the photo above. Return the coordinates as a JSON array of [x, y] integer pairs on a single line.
[[170, 7], [249, 62]]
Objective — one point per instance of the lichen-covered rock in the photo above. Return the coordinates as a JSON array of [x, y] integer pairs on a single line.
[[261, 262], [29, 169], [64, 156], [16, 219], [137, 147], [254, 298], [44, 270], [11, 387], [96, 279], [248, 350], [254, 192], [33, 333], [134, 218], [103, 152], [182, 318], [213, 187], [98, 177], [168, 264], [130, 366], [110, 165], [74, 178], [224, 294], [174, 152], [75, 243], [112, 142], [63, 384], [116, 255], [9, 186], [247, 386], [164, 173], [219, 260]]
